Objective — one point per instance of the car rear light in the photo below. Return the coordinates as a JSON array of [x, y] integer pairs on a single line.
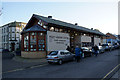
[[55, 57]]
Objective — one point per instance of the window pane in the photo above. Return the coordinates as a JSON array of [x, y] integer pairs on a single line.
[[41, 41], [26, 42], [33, 41]]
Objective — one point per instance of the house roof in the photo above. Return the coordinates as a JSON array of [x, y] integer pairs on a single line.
[[65, 24], [112, 34], [13, 24], [34, 28]]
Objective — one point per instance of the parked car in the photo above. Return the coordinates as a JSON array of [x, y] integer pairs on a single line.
[[60, 56], [116, 45], [86, 51], [5, 50], [106, 47], [111, 46], [101, 49]]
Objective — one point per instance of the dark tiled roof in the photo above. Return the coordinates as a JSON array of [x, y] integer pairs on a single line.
[[34, 28], [65, 24]]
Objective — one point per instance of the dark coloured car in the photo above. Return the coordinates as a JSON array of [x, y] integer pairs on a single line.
[[86, 51], [116, 45]]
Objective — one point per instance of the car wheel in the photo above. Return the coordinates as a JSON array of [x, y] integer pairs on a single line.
[[83, 55], [91, 54], [73, 59], [49, 62], [60, 62]]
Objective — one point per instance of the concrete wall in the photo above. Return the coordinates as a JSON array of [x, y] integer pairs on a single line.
[[37, 54]]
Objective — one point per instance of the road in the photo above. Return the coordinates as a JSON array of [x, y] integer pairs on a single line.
[[90, 67]]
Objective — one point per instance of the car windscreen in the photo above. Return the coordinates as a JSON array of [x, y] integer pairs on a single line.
[[53, 53], [85, 49]]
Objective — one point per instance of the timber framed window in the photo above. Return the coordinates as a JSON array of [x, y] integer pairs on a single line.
[[26, 43], [33, 41], [41, 41]]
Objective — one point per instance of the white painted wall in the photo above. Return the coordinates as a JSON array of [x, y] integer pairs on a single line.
[[0, 40], [57, 41], [13, 29], [9, 29], [85, 39], [97, 41], [10, 34], [17, 29], [17, 35]]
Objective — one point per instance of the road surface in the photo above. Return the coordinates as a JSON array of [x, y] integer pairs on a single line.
[[90, 67]]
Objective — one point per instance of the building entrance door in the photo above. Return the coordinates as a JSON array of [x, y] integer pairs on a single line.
[[12, 46], [92, 39]]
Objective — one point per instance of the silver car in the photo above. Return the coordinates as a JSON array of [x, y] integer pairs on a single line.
[[60, 56], [106, 47], [101, 49]]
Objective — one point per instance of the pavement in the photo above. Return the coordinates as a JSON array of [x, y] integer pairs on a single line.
[[18, 62], [27, 60]]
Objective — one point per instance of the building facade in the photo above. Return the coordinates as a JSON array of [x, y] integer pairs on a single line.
[[0, 39], [44, 34], [11, 37], [112, 39]]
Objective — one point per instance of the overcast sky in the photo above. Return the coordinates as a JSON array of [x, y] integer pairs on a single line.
[[97, 15]]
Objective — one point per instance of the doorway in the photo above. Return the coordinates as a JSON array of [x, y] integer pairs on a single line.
[[92, 39], [12, 46]]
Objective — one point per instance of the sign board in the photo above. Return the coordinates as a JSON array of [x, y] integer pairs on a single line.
[[85, 39], [57, 41]]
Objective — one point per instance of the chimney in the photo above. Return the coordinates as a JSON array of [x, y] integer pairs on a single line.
[[50, 17], [76, 23], [91, 28]]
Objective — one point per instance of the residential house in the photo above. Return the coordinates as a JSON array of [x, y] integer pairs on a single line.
[[11, 38]]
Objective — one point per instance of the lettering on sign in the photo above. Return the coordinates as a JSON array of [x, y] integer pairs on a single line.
[[58, 39]]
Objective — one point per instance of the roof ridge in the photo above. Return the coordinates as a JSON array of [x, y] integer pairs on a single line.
[[67, 24], [12, 23]]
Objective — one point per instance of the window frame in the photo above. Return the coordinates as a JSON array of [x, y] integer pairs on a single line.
[[29, 45]]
